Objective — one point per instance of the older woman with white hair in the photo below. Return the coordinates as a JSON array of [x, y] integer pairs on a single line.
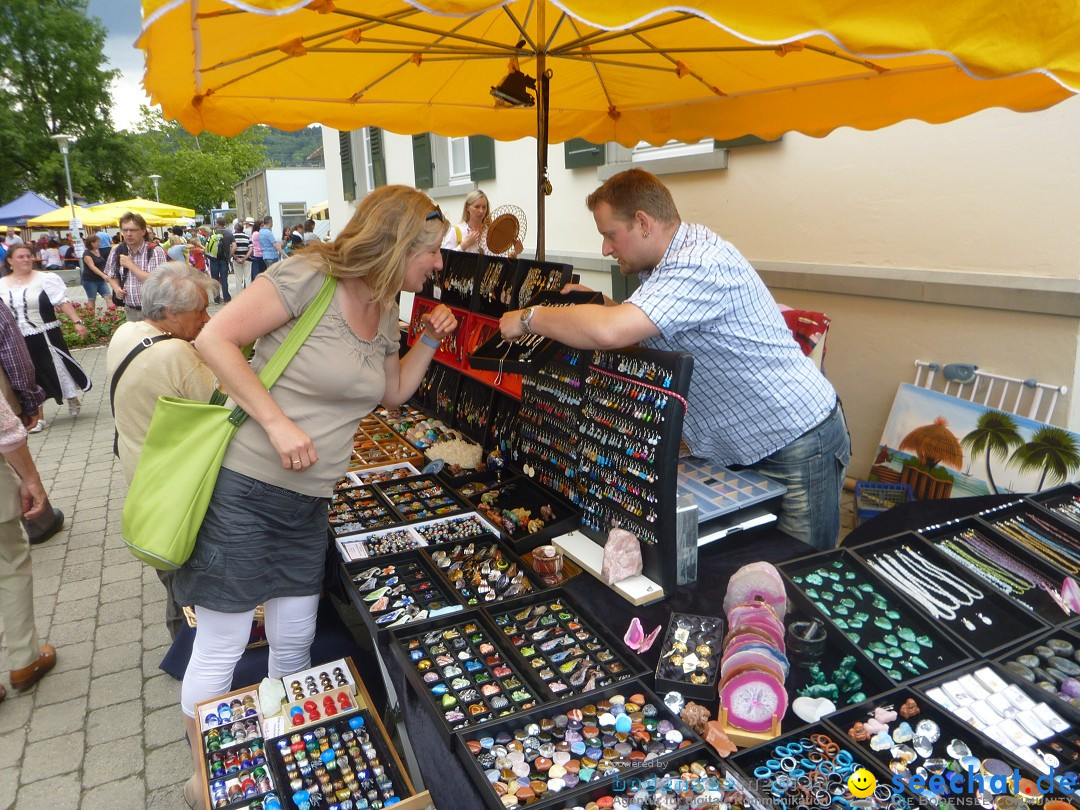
[[174, 301]]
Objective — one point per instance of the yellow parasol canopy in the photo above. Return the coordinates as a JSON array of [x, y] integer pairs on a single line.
[[726, 70], [147, 207], [61, 218]]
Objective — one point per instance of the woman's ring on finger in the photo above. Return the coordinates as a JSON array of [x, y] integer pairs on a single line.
[[296, 461]]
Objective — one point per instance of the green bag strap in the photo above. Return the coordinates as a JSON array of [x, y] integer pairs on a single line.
[[292, 343]]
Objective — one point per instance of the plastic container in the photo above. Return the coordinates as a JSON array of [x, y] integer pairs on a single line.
[[874, 497]]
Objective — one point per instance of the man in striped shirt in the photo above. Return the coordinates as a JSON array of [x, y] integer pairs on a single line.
[[132, 262], [755, 399]]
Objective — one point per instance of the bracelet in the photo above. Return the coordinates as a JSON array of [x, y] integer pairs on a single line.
[[78, 323], [430, 341]]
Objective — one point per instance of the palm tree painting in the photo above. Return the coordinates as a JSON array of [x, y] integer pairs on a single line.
[[1052, 450], [996, 434], [933, 445]]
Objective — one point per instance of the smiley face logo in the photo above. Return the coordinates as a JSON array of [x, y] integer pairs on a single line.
[[861, 783]]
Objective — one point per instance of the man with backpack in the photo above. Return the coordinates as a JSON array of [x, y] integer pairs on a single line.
[[219, 250]]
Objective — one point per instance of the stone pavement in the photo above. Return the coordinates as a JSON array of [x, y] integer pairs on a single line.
[[103, 729]]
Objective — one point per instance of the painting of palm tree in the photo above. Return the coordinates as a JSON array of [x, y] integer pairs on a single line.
[[933, 445], [1052, 450], [996, 434]]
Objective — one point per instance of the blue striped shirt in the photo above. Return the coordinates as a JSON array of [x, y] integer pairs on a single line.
[[753, 391]]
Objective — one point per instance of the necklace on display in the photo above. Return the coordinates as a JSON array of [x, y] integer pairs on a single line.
[[900, 580]]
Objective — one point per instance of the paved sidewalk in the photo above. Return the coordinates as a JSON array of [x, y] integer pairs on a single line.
[[103, 729]]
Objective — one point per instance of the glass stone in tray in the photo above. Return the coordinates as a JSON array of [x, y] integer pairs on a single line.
[[358, 509], [465, 676], [420, 498], [481, 572], [402, 592], [458, 529], [562, 648]]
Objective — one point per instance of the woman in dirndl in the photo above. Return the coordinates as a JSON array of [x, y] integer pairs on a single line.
[[34, 298]]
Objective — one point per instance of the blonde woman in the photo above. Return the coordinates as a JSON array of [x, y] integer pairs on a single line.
[[264, 537], [466, 236]]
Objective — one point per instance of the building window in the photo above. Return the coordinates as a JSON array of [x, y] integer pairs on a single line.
[[447, 166], [292, 213], [458, 150], [644, 152]]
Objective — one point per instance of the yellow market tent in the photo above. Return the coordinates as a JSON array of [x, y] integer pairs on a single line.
[[614, 70], [147, 207], [61, 218]]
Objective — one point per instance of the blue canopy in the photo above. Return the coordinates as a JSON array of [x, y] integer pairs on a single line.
[[29, 205]]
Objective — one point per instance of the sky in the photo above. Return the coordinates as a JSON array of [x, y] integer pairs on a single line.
[[123, 20]]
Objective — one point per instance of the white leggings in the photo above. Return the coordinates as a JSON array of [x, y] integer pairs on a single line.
[[220, 640]]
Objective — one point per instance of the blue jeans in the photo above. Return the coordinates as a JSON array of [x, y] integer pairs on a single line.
[[95, 288], [219, 272], [257, 266], [812, 468]]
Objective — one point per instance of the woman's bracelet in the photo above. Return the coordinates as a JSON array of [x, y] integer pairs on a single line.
[[78, 323], [430, 341]]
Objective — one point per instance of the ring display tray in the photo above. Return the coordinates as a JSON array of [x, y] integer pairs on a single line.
[[529, 352], [717, 491]]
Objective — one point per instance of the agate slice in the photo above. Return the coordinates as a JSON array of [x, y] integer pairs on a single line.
[[757, 581], [752, 699]]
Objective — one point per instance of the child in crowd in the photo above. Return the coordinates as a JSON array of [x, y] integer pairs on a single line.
[[196, 254]]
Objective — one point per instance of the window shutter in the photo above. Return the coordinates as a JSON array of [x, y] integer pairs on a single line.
[[481, 157], [579, 152], [378, 156], [423, 164], [348, 169]]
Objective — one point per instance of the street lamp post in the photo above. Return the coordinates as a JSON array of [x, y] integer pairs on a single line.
[[156, 178], [63, 141], [76, 224]]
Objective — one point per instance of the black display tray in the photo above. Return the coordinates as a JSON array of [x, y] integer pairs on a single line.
[[705, 692], [348, 518], [1049, 498], [745, 761], [982, 637], [841, 722], [529, 352], [382, 748], [524, 493], [455, 263], [497, 284], [1028, 648], [632, 666], [551, 710], [993, 517], [512, 558], [349, 570], [480, 481], [399, 639], [1006, 753], [407, 497], [946, 652]]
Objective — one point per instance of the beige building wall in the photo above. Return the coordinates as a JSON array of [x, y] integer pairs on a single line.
[[951, 243]]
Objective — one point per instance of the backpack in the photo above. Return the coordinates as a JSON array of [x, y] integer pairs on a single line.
[[213, 245]]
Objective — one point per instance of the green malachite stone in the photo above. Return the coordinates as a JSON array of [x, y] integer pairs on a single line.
[[840, 610], [882, 622], [855, 624], [843, 625], [893, 614], [849, 575], [848, 603], [814, 579], [837, 564], [835, 577], [855, 637], [856, 697], [877, 647], [824, 609], [910, 647], [811, 592], [838, 587], [909, 667], [895, 652], [890, 639], [862, 617], [797, 580], [906, 633], [885, 663], [866, 587], [925, 641], [828, 596], [919, 662], [880, 604]]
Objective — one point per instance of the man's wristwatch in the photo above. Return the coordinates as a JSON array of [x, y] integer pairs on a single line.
[[78, 323], [526, 319]]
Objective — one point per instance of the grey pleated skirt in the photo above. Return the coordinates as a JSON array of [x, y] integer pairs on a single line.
[[258, 542]]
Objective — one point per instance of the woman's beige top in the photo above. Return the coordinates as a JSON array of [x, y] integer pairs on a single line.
[[335, 380]]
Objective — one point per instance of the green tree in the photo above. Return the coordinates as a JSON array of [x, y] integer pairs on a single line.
[[197, 171], [53, 80], [1052, 450], [995, 434]]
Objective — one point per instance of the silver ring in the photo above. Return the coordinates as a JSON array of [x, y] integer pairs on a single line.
[[296, 461]]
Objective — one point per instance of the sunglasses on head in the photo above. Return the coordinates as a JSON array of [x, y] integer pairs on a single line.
[[436, 214]]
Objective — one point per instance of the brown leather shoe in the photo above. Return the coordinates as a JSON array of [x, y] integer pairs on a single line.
[[3, 693], [26, 677]]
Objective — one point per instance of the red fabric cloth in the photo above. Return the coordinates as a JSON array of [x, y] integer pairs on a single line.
[[809, 328]]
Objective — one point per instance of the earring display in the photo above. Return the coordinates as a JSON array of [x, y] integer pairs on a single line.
[[495, 289], [555, 752], [482, 572], [460, 671], [1009, 568], [400, 590], [473, 413], [455, 282], [438, 393], [1052, 663], [1015, 717], [884, 628], [566, 651], [981, 617]]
